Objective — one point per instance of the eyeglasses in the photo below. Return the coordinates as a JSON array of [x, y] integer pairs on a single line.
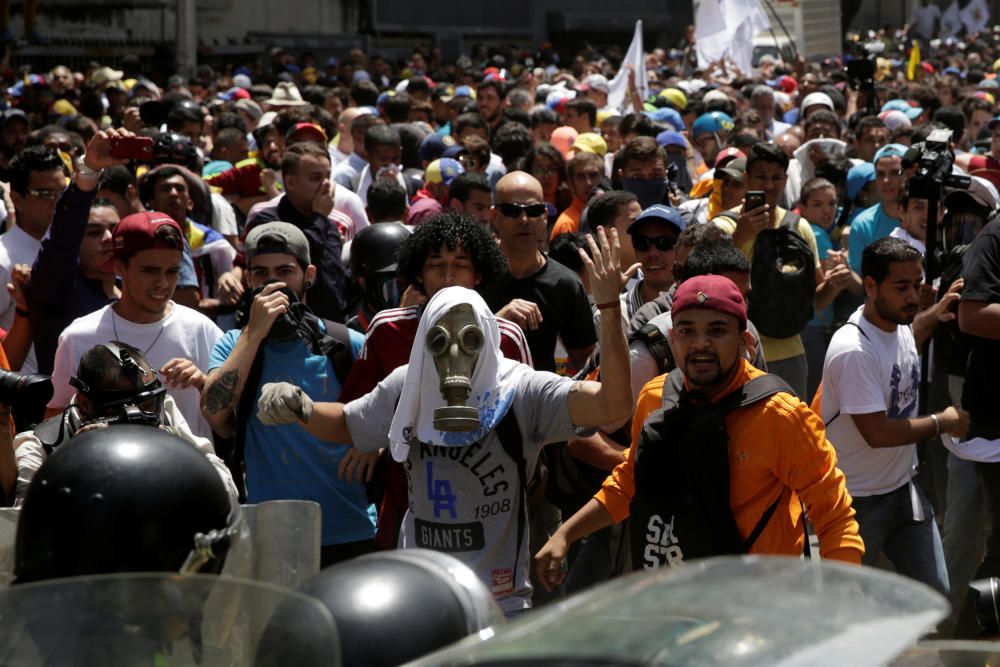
[[662, 243], [544, 173], [51, 195], [514, 210]]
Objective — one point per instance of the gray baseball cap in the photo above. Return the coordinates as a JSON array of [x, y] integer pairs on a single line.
[[277, 237]]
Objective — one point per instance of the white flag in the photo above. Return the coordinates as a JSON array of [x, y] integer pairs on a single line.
[[618, 97], [724, 29], [951, 21], [975, 16]]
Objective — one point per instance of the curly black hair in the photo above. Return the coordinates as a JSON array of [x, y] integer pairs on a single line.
[[451, 229]]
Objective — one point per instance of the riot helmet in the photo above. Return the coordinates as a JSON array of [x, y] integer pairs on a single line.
[[423, 600], [175, 148], [124, 498], [374, 253]]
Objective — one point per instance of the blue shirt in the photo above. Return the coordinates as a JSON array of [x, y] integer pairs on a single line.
[[871, 225], [823, 318], [287, 463]]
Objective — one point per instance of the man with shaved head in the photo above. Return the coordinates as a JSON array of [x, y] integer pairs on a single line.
[[546, 299], [345, 144]]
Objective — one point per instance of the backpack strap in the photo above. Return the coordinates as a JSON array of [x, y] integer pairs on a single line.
[[791, 221], [673, 385], [657, 344], [762, 523], [337, 347], [510, 439], [865, 336]]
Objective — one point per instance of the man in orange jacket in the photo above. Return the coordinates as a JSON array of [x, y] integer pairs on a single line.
[[778, 455]]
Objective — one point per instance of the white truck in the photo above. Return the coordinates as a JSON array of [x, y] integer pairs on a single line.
[[813, 26]]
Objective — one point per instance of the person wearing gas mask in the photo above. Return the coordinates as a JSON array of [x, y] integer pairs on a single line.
[[283, 340], [468, 425], [114, 385]]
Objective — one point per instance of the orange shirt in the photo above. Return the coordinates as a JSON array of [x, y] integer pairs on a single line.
[[568, 221], [774, 446]]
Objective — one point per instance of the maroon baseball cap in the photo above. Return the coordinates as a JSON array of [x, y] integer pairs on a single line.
[[137, 232], [710, 292]]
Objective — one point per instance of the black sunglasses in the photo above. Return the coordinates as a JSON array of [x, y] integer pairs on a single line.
[[514, 210], [662, 243]]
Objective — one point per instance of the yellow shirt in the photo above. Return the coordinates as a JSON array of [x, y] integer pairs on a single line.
[[775, 349]]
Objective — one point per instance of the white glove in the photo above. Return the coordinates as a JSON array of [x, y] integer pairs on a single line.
[[283, 403]]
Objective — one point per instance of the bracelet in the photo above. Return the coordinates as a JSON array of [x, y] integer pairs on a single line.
[[83, 170], [609, 304], [20, 313], [937, 424]]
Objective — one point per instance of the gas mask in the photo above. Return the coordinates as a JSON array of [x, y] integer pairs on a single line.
[[455, 342]]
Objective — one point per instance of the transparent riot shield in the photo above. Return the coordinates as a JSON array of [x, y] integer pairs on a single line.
[[951, 653], [732, 611], [163, 620]]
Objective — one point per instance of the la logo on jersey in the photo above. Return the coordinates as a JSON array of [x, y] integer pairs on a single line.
[[661, 544]]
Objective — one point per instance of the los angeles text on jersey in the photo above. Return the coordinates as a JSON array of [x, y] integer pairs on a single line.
[[480, 461]]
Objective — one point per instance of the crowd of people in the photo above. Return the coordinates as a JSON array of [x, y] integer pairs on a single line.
[[701, 315]]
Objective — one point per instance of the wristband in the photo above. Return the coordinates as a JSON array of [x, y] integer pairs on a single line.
[[609, 304], [20, 313], [83, 170], [937, 424]]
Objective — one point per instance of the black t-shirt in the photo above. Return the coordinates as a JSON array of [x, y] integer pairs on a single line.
[[566, 311], [981, 394]]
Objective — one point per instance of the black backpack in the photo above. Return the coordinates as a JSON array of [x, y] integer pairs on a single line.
[[783, 276], [681, 509]]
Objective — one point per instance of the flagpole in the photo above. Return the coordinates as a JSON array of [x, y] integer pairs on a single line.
[[781, 23]]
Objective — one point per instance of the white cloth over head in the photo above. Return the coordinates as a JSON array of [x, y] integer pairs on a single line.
[[493, 380]]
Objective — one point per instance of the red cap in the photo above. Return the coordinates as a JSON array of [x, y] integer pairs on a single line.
[[788, 84], [727, 155], [137, 232], [710, 292], [312, 129]]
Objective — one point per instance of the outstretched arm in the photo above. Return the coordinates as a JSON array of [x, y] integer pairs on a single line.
[[284, 403], [610, 400]]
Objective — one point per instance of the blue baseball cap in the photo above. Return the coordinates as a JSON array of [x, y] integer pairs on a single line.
[[670, 138], [661, 213], [433, 147], [858, 177], [667, 115], [890, 150]]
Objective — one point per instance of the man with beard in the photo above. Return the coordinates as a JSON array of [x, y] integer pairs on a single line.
[[255, 179], [778, 455], [869, 404], [490, 102]]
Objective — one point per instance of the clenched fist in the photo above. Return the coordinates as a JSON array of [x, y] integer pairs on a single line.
[[283, 403]]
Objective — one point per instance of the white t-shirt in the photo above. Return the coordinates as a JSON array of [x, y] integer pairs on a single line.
[[350, 205], [224, 216], [900, 233], [184, 333], [16, 247], [869, 370]]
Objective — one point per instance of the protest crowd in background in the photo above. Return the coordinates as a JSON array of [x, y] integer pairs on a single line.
[[366, 185]]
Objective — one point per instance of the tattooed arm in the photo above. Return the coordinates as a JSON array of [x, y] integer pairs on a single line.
[[226, 383]]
